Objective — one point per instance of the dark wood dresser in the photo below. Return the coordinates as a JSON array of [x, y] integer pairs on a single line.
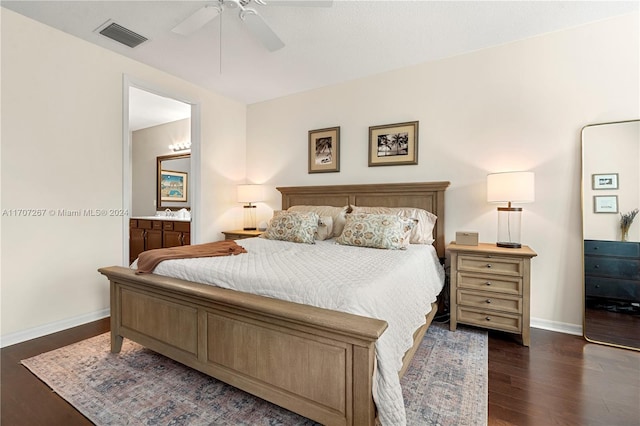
[[612, 270]]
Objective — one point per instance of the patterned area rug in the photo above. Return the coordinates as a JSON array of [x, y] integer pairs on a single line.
[[446, 384]]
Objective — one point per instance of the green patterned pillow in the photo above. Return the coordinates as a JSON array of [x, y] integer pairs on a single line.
[[385, 231], [296, 227]]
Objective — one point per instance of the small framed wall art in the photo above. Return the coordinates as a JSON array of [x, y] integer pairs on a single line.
[[393, 144], [604, 181], [605, 204], [173, 185], [324, 150]]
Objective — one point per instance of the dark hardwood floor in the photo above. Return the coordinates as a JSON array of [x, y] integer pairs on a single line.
[[562, 380], [559, 380]]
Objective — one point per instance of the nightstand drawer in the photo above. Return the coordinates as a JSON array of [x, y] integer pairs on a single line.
[[491, 264], [490, 301], [498, 321], [488, 282]]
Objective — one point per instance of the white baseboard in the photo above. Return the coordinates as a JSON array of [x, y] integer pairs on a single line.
[[560, 327], [43, 330]]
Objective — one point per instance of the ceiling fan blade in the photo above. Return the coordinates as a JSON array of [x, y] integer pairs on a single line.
[[197, 20], [260, 30], [298, 3]]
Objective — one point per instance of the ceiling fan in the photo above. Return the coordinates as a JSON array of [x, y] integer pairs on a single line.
[[249, 16]]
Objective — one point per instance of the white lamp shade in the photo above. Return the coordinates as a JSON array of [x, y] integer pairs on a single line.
[[514, 187], [250, 193]]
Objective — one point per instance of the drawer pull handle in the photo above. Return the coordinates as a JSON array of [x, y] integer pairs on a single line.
[[488, 283], [488, 318], [488, 265], [597, 267], [597, 285], [488, 300]]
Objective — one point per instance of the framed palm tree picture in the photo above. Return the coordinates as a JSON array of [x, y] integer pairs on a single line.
[[393, 144], [324, 150]]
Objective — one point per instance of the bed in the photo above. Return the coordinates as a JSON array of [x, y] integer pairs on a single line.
[[264, 345]]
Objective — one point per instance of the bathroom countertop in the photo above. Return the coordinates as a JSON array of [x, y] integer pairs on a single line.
[[177, 219]]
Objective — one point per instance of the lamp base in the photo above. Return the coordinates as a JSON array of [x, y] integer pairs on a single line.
[[249, 218], [509, 245]]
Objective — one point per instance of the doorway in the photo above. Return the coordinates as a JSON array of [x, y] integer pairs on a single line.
[[146, 106]]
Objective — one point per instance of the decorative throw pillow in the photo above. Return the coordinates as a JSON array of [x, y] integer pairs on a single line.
[[296, 227], [422, 233], [385, 231], [338, 214]]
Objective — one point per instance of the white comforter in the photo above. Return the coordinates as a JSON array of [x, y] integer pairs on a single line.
[[397, 286]]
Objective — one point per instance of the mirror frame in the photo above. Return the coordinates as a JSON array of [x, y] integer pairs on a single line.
[[583, 182], [159, 161]]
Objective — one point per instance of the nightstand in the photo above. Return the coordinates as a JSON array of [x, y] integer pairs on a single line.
[[240, 234], [489, 287]]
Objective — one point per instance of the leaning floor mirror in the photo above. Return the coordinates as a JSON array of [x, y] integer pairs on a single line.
[[611, 233]]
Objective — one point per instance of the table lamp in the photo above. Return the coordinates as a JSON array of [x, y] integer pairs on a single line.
[[250, 194], [510, 187]]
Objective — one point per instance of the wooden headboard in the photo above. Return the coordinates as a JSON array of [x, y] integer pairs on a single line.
[[425, 195]]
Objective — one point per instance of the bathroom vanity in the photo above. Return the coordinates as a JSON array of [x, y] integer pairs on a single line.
[[147, 233]]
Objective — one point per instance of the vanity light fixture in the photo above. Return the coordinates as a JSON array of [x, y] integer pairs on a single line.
[[180, 146], [250, 194], [510, 187]]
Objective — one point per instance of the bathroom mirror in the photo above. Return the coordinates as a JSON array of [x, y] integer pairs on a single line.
[[172, 182], [611, 255]]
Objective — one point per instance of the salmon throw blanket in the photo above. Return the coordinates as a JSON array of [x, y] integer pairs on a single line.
[[148, 260]]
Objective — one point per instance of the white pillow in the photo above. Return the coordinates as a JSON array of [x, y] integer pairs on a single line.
[[422, 233], [325, 228], [338, 214]]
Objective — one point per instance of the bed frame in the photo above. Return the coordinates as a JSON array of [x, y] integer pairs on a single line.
[[315, 362]]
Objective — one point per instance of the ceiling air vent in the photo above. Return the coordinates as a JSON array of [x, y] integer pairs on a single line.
[[121, 34]]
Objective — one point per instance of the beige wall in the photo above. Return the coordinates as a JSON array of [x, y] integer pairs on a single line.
[[519, 106], [62, 149]]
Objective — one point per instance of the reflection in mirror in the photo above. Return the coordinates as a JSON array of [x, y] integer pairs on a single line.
[[172, 181], [610, 194]]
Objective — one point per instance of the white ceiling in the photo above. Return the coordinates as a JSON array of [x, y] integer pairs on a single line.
[[323, 45], [147, 109]]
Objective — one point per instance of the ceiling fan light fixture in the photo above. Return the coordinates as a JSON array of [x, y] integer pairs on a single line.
[[246, 11]]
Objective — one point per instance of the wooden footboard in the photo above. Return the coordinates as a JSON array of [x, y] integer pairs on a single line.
[[315, 362]]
